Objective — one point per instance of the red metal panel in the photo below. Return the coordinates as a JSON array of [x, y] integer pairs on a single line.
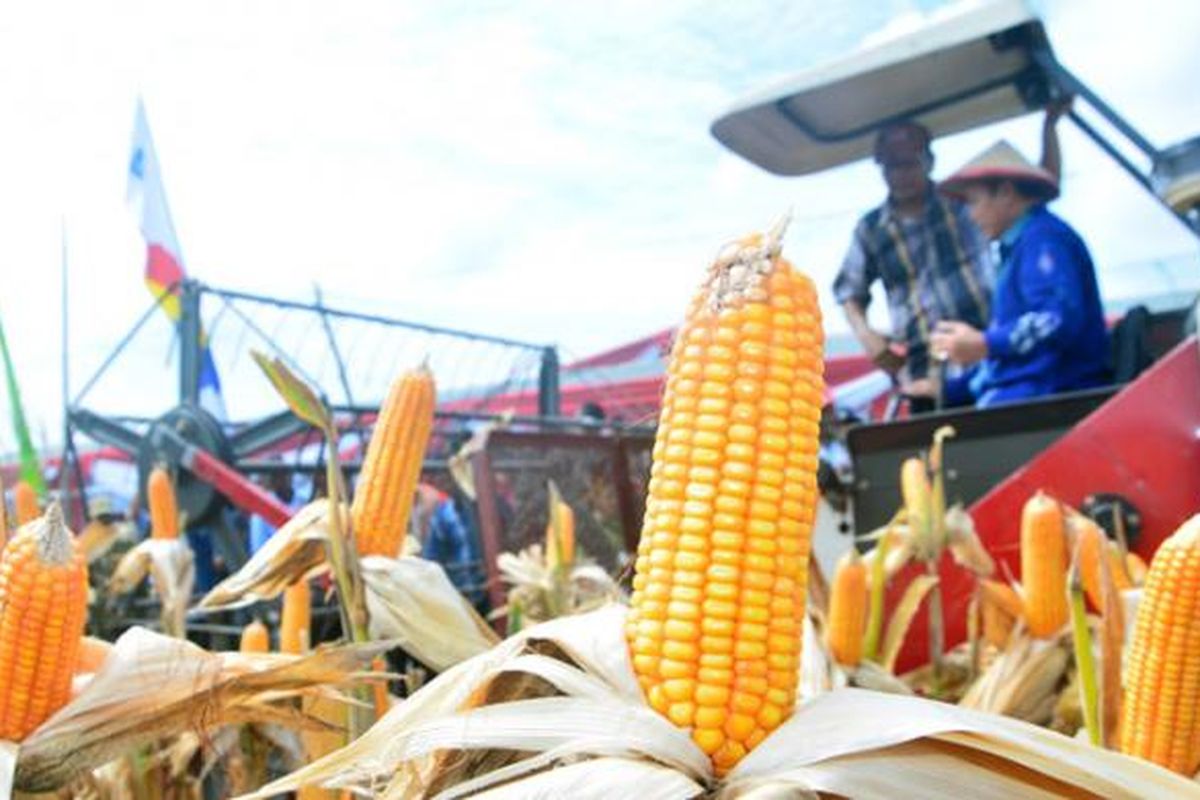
[[236, 487], [1144, 444]]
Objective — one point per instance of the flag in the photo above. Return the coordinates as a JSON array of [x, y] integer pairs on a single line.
[[164, 259], [31, 471]]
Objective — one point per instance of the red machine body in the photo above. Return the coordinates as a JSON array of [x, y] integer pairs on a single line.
[[1143, 444]]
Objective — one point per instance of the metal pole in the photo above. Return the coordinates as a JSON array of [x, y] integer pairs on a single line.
[[64, 482], [189, 343], [549, 401], [356, 423]]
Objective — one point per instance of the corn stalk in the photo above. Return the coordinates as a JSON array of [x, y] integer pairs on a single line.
[[343, 557], [1084, 660]]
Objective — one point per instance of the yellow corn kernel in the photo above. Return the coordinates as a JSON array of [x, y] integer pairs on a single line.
[[160, 499], [383, 497], [721, 570], [43, 607], [1044, 566], [848, 611], [1159, 719]]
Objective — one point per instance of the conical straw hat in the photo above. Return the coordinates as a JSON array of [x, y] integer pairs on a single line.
[[1001, 161]]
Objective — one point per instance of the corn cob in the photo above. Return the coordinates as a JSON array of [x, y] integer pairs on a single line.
[[255, 638], [1160, 718], [1092, 543], [25, 503], [295, 624], [43, 607], [848, 611], [719, 589], [918, 504], [383, 499], [560, 535], [1044, 566], [1001, 607], [160, 498]]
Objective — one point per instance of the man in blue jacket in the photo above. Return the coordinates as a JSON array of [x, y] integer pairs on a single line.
[[1047, 332]]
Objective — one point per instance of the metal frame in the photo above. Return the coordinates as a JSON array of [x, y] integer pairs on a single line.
[[615, 442]]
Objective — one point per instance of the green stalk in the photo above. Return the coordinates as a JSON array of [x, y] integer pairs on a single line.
[[875, 610], [1084, 661], [343, 559]]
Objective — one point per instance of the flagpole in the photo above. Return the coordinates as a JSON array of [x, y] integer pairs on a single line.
[[64, 483]]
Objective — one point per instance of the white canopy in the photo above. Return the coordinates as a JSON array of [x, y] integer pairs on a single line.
[[972, 66]]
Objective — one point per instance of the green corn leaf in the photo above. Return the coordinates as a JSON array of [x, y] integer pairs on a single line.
[[298, 395]]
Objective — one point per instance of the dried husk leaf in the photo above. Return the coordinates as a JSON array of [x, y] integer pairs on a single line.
[[849, 742], [869, 675], [601, 778], [412, 601], [293, 553], [153, 686], [1111, 635], [98, 537], [964, 544], [986, 755], [817, 667], [542, 592], [902, 617], [405, 740], [172, 568], [1024, 681]]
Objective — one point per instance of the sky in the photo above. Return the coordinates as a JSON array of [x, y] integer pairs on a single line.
[[531, 169]]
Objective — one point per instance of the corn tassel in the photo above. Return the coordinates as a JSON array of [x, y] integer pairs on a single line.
[[1160, 718], [255, 638], [160, 499], [1044, 566], [722, 566], [848, 611], [295, 624], [43, 607], [383, 498], [25, 503]]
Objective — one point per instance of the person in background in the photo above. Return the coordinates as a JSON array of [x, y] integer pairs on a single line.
[[279, 484], [448, 539], [931, 259], [1047, 332]]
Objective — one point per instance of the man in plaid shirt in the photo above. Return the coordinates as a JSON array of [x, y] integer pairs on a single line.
[[933, 262]]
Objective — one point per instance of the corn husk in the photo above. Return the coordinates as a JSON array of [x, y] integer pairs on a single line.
[[543, 591], [293, 553], [152, 686], [562, 694], [171, 567], [869, 745], [623, 777], [98, 537], [964, 543], [601, 713], [902, 618], [412, 601], [1024, 681]]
